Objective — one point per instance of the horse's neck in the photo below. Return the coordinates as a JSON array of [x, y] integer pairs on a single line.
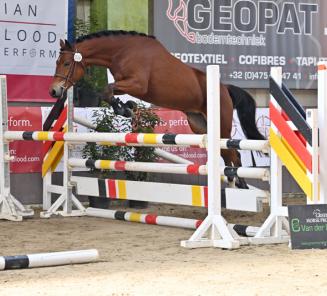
[[101, 51]]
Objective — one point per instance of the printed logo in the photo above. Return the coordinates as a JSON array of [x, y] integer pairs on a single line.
[[239, 22], [179, 16], [295, 225]]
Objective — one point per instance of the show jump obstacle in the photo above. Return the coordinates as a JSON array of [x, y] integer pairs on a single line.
[[293, 139], [250, 200]]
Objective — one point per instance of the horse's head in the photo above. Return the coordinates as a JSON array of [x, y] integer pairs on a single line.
[[70, 68]]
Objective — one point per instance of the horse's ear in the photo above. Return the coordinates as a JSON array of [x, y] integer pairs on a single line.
[[62, 44], [68, 45]]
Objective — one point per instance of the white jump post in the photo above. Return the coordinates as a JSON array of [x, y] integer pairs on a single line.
[[67, 201], [48, 259], [10, 207], [213, 232], [312, 119], [322, 126]]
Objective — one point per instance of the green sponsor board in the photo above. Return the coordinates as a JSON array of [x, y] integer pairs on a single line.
[[308, 226]]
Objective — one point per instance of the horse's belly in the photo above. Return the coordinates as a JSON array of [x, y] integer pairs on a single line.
[[185, 98]]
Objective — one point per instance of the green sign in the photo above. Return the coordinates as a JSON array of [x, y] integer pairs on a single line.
[[308, 226]]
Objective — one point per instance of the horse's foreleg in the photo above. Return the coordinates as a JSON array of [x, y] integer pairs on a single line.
[[134, 86], [108, 93], [120, 108]]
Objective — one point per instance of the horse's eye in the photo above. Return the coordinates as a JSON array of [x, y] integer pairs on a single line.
[[66, 64]]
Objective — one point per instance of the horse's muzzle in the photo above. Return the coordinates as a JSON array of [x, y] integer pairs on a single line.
[[56, 92]]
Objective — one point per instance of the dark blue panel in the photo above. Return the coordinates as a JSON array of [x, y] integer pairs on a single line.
[[71, 19]]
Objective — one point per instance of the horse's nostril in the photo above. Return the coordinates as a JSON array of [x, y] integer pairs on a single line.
[[53, 93]]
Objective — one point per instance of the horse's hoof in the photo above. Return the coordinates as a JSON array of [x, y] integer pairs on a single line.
[[131, 105], [128, 113], [119, 111], [241, 184]]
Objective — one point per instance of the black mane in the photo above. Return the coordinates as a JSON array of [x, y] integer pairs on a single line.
[[110, 33]]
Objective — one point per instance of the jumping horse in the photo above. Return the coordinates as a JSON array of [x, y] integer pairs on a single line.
[[143, 68]]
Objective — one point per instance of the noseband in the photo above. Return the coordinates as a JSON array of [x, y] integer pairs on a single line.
[[77, 59]]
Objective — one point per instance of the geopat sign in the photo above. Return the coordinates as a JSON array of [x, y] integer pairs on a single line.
[[246, 37]]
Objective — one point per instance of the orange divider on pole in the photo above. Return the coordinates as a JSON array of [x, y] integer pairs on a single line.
[[58, 126], [290, 136]]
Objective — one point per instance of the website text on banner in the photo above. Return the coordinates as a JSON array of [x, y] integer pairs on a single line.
[[27, 155]]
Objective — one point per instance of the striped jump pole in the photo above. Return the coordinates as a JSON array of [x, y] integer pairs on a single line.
[[153, 219], [170, 168], [157, 151], [48, 259], [130, 139], [135, 139], [245, 144]]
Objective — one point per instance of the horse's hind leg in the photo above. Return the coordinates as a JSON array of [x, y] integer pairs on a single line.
[[232, 158], [198, 124]]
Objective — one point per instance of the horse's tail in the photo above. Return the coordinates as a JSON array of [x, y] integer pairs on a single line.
[[245, 106]]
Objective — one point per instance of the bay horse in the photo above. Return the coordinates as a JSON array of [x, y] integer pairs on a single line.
[[143, 68]]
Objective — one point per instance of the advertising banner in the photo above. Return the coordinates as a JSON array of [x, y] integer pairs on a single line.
[[246, 37], [308, 226], [30, 31]]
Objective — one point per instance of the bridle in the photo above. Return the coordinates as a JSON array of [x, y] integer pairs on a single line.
[[77, 59]]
